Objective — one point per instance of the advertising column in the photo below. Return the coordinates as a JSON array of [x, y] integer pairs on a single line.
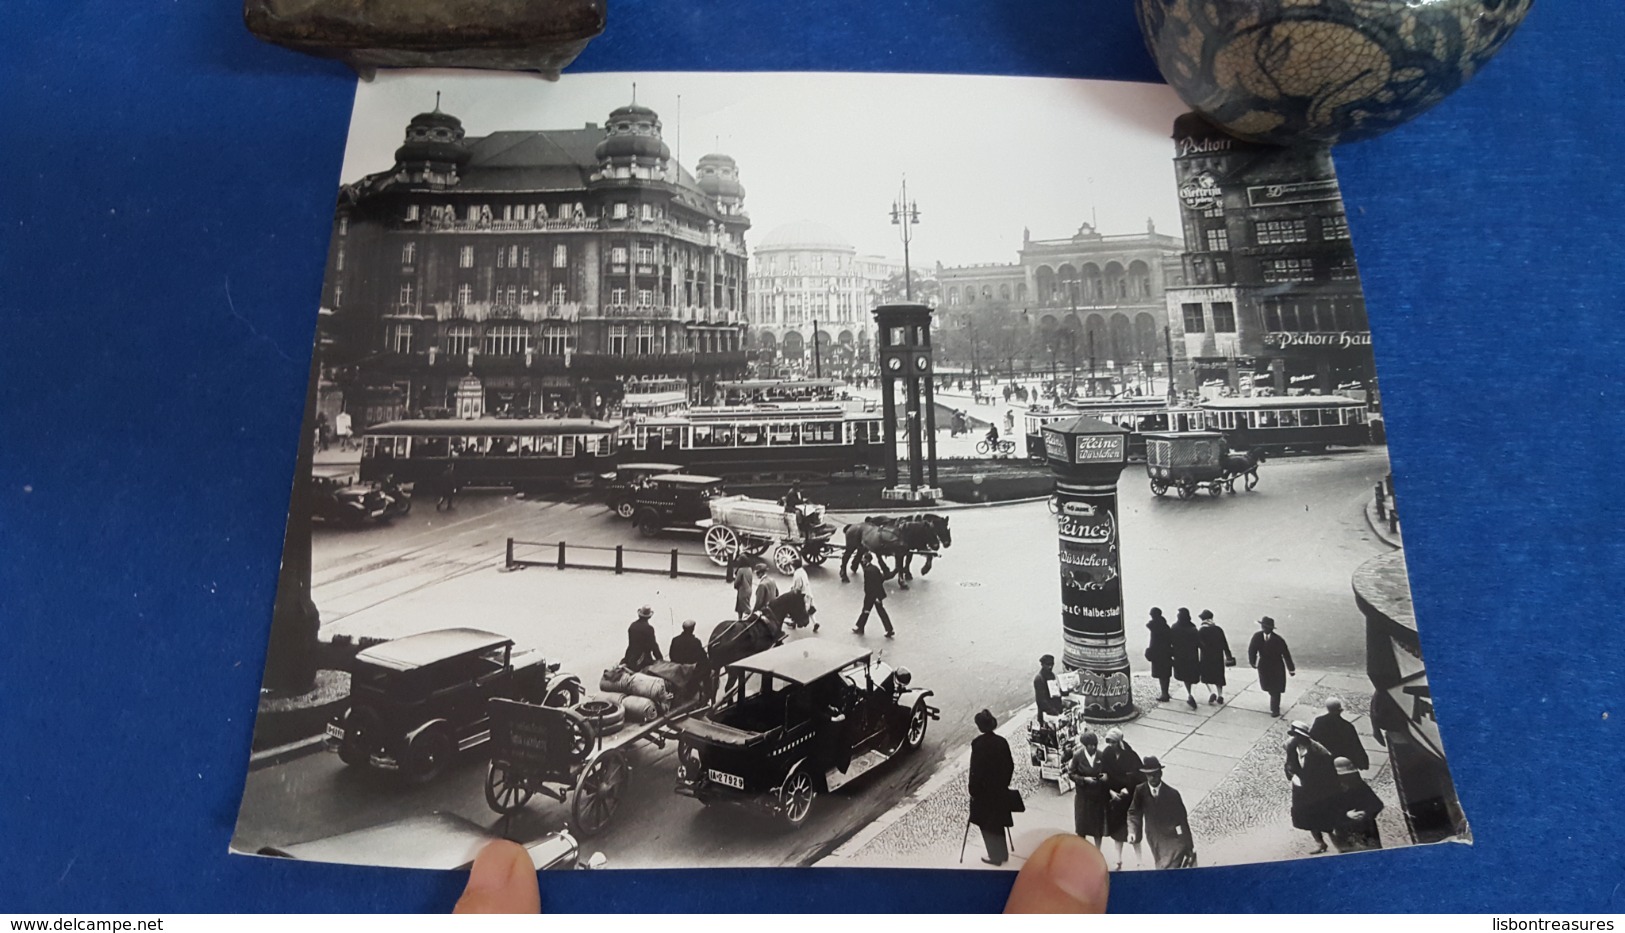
[[1086, 457]]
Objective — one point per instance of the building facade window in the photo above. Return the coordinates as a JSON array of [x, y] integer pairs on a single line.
[[399, 338], [344, 225], [409, 253], [647, 211], [1344, 270], [618, 212], [1271, 232], [1334, 228], [459, 339], [1216, 209], [617, 296], [465, 258], [507, 339], [646, 339], [645, 298], [338, 296], [556, 340], [646, 254], [411, 213], [1218, 240], [561, 294], [617, 255], [510, 296], [465, 295], [338, 260], [561, 256], [1224, 317], [1193, 317], [513, 257], [617, 339], [405, 299], [524, 258], [1290, 269]]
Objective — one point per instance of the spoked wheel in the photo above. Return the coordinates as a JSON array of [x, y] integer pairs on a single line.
[[428, 756], [502, 792], [784, 558], [1186, 490], [598, 793], [1158, 487], [721, 544], [915, 736], [565, 694], [1215, 488], [815, 555], [796, 798], [625, 508]]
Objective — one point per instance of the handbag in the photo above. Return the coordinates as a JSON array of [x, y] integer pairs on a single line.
[[1017, 805]]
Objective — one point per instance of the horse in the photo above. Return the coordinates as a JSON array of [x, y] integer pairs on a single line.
[[899, 537], [735, 639], [1242, 464]]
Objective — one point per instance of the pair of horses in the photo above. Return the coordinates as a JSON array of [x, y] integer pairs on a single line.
[[897, 537]]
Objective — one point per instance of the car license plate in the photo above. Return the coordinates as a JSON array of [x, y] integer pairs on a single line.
[[335, 731], [728, 780]]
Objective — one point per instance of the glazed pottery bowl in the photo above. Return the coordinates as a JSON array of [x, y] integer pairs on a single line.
[[1316, 72]]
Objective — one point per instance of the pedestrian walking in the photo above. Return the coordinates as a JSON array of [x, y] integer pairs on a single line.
[[1185, 645], [1269, 655], [1339, 735], [744, 591], [323, 430], [991, 768], [1123, 775], [1215, 658], [448, 488], [1158, 816], [801, 608], [1160, 652], [1090, 782], [343, 427], [1313, 776], [767, 589], [1354, 810], [642, 648], [874, 595]]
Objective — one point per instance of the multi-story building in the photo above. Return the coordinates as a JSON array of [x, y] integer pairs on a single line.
[[1267, 293], [805, 275], [534, 271], [1090, 296]]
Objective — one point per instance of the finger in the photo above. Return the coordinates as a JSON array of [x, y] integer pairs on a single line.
[[1065, 875], [502, 881]]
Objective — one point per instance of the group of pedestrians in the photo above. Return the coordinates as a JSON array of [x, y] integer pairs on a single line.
[[1123, 797], [1194, 654], [755, 591], [1330, 798]]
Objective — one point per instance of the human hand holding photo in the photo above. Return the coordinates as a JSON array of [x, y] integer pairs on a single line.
[[1064, 875]]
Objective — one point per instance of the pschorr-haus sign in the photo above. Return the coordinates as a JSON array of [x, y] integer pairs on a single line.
[[1335, 339], [1298, 192]]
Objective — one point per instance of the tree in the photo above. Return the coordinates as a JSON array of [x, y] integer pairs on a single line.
[[925, 288]]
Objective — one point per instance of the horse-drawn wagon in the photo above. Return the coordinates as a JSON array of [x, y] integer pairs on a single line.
[[582, 755], [1191, 461], [740, 525]]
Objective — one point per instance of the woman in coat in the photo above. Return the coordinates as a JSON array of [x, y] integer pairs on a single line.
[[1122, 767], [1354, 810], [1088, 773], [1186, 647], [1216, 657], [991, 768], [1160, 652], [1310, 768]]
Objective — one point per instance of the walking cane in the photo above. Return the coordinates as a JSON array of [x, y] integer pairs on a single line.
[[964, 842]]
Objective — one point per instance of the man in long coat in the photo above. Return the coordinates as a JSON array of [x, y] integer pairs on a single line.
[[1157, 815], [1088, 775], [1216, 657], [991, 768], [1339, 735], [1268, 653], [1160, 651], [1314, 784], [1354, 810], [1122, 766], [1186, 648]]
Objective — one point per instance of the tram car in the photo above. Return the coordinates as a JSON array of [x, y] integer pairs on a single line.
[[1139, 415], [1297, 422], [521, 453], [792, 438]]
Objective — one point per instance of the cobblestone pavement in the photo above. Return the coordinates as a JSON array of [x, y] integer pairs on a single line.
[[1226, 761]]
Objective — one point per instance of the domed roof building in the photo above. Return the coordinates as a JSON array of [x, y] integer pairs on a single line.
[[805, 276]]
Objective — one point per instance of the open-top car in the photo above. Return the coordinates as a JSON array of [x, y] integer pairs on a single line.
[[675, 502], [415, 702], [338, 496], [798, 720], [620, 486]]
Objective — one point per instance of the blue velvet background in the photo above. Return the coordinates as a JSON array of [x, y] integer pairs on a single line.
[[168, 183]]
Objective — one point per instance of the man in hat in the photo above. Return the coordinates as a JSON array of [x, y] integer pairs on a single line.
[[686, 647], [1157, 814], [991, 768], [767, 589], [1339, 735], [874, 595], [1046, 692], [1314, 784], [1269, 655], [1354, 810], [642, 648]]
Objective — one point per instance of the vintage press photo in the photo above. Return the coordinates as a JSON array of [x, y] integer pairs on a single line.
[[604, 418]]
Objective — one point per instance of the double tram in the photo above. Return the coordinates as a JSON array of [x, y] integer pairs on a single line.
[[516, 452], [790, 438], [1139, 415], [1299, 422], [769, 391]]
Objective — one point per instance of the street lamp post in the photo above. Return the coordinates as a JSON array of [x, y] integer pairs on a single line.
[[1168, 342], [1091, 337], [818, 357], [975, 380], [904, 215]]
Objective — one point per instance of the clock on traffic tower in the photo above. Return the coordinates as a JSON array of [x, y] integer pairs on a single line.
[[904, 347]]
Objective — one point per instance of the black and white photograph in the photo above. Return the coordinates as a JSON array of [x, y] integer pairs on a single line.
[[851, 470]]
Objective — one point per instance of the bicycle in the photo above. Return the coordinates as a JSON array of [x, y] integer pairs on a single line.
[[1003, 447]]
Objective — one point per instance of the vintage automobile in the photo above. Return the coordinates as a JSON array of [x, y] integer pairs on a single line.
[[415, 702], [798, 720], [438, 840], [674, 502], [340, 497], [620, 486]]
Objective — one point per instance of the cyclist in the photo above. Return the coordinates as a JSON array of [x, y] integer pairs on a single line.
[[993, 438]]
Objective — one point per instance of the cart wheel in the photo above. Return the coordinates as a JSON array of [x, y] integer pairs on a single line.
[[625, 508], [648, 522], [564, 694], [1186, 491], [915, 736], [816, 555], [1215, 488], [796, 797], [784, 558], [1158, 487], [429, 755], [598, 793], [721, 544], [502, 793]]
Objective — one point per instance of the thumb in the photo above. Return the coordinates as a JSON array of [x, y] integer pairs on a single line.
[[1065, 875], [502, 881]]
